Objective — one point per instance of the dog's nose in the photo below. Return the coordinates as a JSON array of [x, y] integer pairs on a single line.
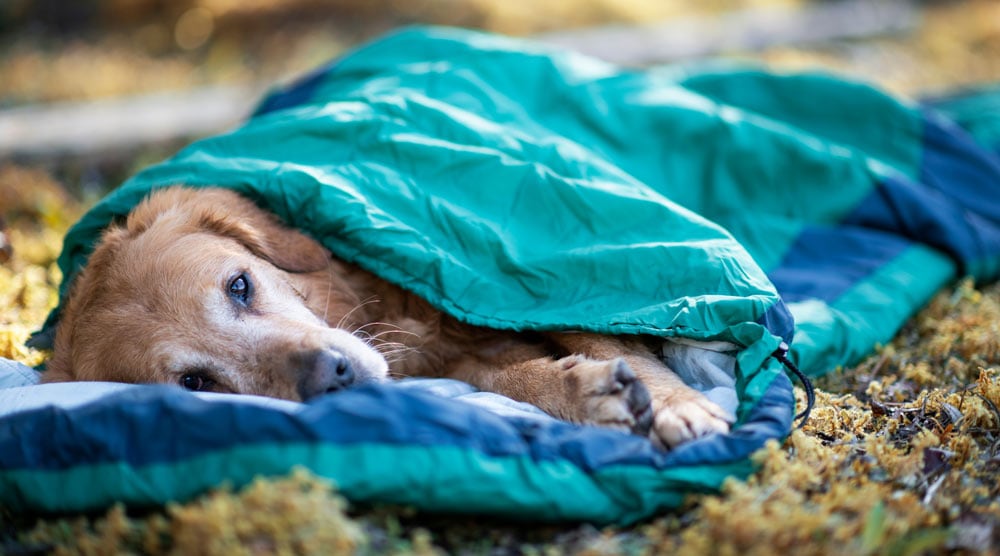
[[328, 371]]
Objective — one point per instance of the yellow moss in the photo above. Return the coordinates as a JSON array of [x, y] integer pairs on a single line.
[[37, 214], [298, 514], [919, 372], [854, 481], [988, 386]]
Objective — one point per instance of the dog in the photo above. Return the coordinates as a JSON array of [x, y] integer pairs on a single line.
[[204, 289]]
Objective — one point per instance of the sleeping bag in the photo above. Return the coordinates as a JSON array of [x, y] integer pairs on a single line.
[[725, 210]]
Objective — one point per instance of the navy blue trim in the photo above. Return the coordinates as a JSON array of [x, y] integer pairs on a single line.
[[299, 92], [823, 263], [778, 320], [957, 165], [955, 208], [971, 109], [935, 216], [160, 424]]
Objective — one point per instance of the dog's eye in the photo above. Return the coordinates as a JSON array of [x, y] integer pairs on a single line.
[[196, 382], [240, 289]]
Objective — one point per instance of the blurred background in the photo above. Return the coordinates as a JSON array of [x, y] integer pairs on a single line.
[[92, 89], [56, 50]]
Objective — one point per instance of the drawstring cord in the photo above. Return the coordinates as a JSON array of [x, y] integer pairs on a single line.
[[781, 354]]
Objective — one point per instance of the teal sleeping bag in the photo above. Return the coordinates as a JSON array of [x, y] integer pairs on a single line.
[[518, 187]]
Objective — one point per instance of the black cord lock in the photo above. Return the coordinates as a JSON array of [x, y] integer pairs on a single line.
[[781, 354]]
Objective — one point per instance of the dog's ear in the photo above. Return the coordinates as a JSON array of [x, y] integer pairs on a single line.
[[263, 234], [284, 247], [83, 290], [229, 214]]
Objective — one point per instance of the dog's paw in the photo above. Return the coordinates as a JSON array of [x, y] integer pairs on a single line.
[[608, 394], [684, 416]]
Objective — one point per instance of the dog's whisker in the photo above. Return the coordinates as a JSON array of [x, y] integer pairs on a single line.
[[400, 331], [363, 335], [378, 323], [377, 337], [368, 301], [364, 303], [361, 329], [395, 356], [384, 342], [329, 291], [377, 342], [400, 352], [395, 350]]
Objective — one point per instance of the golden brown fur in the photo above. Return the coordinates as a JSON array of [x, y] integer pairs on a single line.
[[201, 287]]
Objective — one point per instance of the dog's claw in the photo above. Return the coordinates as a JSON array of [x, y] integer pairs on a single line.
[[643, 421], [612, 395], [685, 418]]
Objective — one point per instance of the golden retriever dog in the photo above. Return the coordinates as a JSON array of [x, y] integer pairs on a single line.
[[204, 289]]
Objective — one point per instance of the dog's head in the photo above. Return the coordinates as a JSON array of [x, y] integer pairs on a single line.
[[203, 289]]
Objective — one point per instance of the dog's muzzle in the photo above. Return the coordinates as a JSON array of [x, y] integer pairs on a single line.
[[325, 371]]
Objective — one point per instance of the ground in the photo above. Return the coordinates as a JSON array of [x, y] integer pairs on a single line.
[[900, 456]]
